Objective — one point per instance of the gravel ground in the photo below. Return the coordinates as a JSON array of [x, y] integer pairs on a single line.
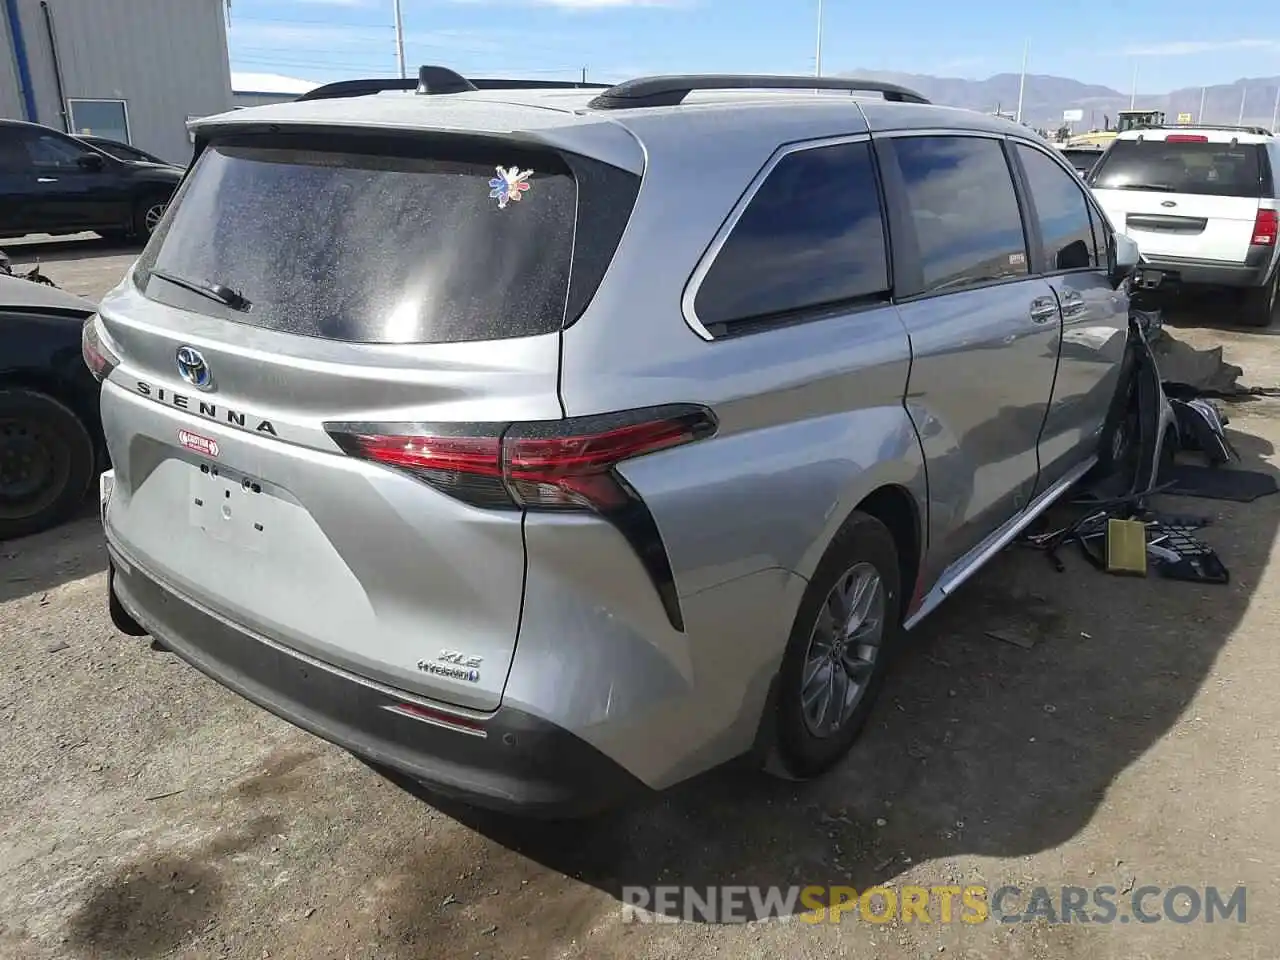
[[146, 812]]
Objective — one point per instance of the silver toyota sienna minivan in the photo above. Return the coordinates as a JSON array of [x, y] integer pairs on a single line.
[[550, 445]]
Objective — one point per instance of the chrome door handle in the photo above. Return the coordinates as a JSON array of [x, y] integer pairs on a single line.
[[1043, 309], [46, 179], [1073, 304]]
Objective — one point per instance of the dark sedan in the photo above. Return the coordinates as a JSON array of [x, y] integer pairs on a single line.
[[53, 183], [51, 444]]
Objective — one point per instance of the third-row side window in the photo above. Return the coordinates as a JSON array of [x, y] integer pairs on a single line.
[[812, 235]]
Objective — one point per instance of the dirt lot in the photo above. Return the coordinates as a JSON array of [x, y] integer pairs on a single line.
[[145, 812]]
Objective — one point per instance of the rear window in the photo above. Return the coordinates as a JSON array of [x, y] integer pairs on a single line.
[[375, 242], [1209, 169]]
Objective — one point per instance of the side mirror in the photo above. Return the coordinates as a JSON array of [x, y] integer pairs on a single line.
[[91, 161], [1124, 258]]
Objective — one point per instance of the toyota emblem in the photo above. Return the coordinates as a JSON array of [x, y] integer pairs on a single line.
[[193, 369]]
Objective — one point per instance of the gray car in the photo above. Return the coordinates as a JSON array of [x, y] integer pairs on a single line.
[[550, 446]]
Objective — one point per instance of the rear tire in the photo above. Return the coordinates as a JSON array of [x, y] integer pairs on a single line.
[[825, 660], [1259, 306], [46, 462]]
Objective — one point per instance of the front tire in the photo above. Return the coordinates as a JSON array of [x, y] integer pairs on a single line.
[[1258, 307], [46, 462], [846, 630]]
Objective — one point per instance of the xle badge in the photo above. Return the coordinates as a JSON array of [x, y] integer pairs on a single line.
[[453, 665]]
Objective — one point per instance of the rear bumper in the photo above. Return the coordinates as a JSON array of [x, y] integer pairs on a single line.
[[1253, 272], [513, 761]]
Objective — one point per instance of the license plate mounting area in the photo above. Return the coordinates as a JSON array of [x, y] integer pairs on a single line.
[[230, 507]]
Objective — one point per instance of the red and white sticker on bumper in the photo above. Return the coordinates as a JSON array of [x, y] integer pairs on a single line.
[[193, 441]]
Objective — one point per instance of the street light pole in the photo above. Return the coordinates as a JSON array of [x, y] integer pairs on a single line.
[[1243, 93], [1275, 111], [1200, 115], [817, 60], [1133, 91], [400, 39], [1022, 80]]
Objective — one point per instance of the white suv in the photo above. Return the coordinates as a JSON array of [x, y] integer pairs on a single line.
[[1201, 204]]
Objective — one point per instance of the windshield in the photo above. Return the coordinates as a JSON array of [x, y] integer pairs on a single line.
[[370, 246], [1209, 169]]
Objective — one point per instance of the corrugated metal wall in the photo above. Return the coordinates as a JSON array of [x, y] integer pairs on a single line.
[[167, 59]]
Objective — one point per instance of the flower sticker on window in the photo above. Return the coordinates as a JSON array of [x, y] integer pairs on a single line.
[[509, 185]]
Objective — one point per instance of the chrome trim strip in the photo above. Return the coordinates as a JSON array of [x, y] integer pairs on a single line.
[[722, 235], [971, 563], [123, 558]]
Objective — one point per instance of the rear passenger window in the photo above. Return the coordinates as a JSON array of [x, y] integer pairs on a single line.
[[812, 236], [1061, 211], [961, 199]]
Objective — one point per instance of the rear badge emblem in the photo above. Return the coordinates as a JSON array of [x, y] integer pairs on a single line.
[[453, 665], [193, 441], [193, 369], [1167, 203]]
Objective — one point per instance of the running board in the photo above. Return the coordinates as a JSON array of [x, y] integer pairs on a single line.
[[976, 559]]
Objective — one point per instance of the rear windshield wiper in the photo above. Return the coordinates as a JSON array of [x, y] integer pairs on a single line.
[[212, 291], [1162, 187]]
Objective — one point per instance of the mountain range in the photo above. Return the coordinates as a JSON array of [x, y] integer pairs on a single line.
[[1046, 97]]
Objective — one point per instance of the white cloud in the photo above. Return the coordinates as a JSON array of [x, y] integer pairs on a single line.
[[1181, 48]]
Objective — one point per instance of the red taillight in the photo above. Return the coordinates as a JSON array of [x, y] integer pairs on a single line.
[[558, 464], [548, 465], [1265, 225], [1186, 138], [97, 355]]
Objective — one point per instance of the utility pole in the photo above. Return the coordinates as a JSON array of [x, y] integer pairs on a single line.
[[1133, 91], [584, 74], [1275, 111], [817, 60], [1022, 80], [1200, 115], [400, 39], [1243, 93]]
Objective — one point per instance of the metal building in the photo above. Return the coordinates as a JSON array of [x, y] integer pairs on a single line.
[[130, 70], [258, 89]]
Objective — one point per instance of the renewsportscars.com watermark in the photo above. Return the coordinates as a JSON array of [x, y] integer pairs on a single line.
[[940, 904]]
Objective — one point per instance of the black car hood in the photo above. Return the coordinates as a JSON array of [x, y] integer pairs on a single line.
[[18, 293]]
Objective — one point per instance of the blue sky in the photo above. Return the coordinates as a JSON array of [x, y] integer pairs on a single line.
[[1172, 43]]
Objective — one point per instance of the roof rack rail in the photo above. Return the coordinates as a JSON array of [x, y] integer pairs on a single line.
[[666, 91], [434, 80]]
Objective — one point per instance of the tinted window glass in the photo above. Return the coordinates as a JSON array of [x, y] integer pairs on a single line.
[[1099, 237], [1062, 212], [1210, 169], [960, 196], [49, 151], [1081, 160], [13, 157], [811, 235], [372, 246]]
